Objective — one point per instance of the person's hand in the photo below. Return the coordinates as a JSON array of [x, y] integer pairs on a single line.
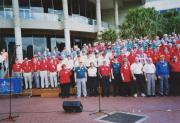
[[159, 77], [146, 79], [168, 76], [134, 78], [155, 78], [112, 77], [110, 80]]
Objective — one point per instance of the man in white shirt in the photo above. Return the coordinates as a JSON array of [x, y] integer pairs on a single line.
[[92, 80], [137, 74], [150, 77]]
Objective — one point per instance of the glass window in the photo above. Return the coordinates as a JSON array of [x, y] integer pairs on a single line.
[[27, 46], [53, 43], [8, 13], [39, 44]]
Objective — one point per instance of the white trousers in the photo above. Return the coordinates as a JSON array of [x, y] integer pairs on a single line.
[[44, 79], [27, 78], [53, 79]]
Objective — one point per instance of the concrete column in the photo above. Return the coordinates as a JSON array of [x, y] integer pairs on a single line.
[[17, 30], [116, 13], [98, 15], [116, 16], [66, 25]]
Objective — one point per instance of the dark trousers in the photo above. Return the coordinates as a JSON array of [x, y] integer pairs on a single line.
[[105, 86], [175, 83], [126, 89], [65, 89], [92, 86], [116, 84], [139, 84]]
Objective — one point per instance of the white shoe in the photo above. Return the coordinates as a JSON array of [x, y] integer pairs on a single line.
[[143, 95], [135, 95]]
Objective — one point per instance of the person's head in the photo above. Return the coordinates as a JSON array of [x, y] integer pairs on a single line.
[[68, 57], [91, 64], [125, 61], [175, 58], [166, 50], [104, 63], [149, 60], [51, 61], [80, 64], [35, 60], [115, 59], [161, 57], [63, 66], [3, 50], [137, 60], [26, 60], [17, 60]]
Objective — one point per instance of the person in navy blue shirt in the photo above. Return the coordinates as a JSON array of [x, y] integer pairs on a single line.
[[116, 76], [80, 76], [162, 71]]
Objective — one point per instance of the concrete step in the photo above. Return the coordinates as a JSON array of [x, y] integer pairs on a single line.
[[49, 92]]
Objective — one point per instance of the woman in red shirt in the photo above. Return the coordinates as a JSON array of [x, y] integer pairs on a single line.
[[64, 77], [126, 78]]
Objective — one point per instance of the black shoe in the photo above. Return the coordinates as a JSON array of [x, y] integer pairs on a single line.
[[148, 96]]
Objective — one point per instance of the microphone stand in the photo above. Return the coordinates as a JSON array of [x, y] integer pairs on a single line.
[[10, 118], [99, 111]]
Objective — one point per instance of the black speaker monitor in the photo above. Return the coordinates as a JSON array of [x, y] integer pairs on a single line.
[[72, 106]]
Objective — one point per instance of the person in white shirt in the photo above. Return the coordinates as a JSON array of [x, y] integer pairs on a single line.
[[149, 70], [92, 80], [138, 77]]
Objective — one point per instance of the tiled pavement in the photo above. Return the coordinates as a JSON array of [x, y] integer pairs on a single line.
[[49, 110]]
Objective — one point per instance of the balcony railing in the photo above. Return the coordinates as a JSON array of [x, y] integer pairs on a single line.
[[52, 16]]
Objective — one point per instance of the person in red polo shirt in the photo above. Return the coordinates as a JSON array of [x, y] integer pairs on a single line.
[[52, 68], [105, 74], [65, 77], [175, 76], [167, 54], [126, 78], [44, 73], [155, 56], [27, 73], [17, 69], [131, 57]]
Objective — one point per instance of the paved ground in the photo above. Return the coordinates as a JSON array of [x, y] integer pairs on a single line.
[[49, 110]]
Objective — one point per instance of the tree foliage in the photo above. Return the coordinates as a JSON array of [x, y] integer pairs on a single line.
[[108, 35], [148, 22], [171, 20]]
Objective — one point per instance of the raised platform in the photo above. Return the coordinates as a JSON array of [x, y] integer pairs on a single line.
[[49, 92]]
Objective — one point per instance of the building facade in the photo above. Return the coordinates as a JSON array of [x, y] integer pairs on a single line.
[[34, 25], [29, 26]]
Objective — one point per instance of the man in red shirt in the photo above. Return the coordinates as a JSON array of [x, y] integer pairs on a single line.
[[27, 73], [156, 55], [52, 69], [65, 77], [44, 73], [17, 69], [175, 76], [105, 74]]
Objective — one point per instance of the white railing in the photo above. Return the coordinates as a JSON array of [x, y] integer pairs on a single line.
[[27, 14]]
